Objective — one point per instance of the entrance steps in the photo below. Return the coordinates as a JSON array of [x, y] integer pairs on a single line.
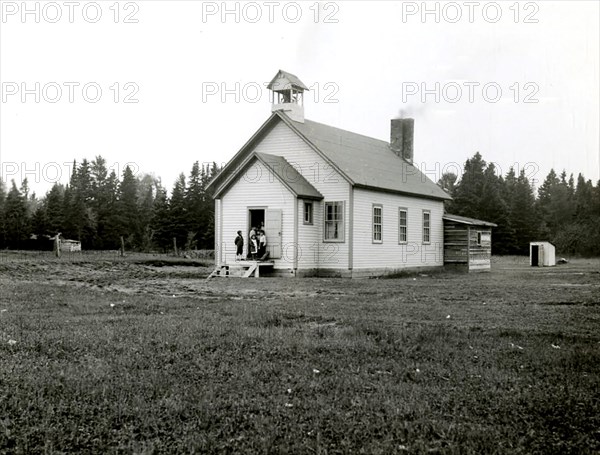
[[242, 269]]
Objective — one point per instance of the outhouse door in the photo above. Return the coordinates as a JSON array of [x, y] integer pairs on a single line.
[[535, 255]]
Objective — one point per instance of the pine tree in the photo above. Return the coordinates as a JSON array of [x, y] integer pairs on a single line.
[[2, 204], [147, 187], [15, 219], [127, 209], [522, 212], [467, 194], [160, 220], [39, 226], [80, 214], [108, 212], [555, 203], [583, 198], [195, 198], [69, 224], [54, 207], [101, 198], [178, 216], [494, 208], [447, 182]]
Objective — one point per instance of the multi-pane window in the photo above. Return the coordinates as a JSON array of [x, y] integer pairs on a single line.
[[402, 225], [377, 223], [334, 221], [308, 213], [426, 226]]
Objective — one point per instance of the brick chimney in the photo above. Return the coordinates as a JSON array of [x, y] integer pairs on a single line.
[[401, 137]]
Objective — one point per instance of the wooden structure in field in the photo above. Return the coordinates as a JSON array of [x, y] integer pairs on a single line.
[[467, 243], [70, 245], [542, 254]]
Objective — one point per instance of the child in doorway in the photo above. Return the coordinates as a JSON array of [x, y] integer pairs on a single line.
[[262, 245], [250, 234], [253, 247]]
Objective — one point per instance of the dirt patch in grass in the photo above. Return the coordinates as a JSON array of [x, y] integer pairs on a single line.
[[110, 356]]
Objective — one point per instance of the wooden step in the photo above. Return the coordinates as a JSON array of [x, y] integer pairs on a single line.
[[244, 269]]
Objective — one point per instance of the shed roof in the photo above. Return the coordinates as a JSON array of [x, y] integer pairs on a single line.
[[466, 220], [285, 81], [287, 174]]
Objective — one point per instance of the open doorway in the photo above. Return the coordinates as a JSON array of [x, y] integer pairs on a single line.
[[270, 221], [535, 256], [256, 219]]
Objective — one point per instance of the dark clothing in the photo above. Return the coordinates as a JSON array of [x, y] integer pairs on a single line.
[[239, 243]]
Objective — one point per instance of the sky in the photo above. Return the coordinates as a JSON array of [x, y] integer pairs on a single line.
[[158, 85]]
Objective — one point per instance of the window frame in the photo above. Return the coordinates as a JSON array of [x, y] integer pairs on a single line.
[[311, 212], [426, 229], [400, 226], [342, 225], [374, 224]]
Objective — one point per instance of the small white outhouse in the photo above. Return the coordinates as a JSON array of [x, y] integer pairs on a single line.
[[541, 254]]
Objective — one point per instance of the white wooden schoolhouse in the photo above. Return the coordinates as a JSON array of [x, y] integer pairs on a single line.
[[333, 202]]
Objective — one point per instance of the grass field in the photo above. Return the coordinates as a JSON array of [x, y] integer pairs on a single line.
[[138, 355]]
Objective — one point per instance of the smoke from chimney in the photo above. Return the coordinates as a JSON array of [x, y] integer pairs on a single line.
[[402, 137]]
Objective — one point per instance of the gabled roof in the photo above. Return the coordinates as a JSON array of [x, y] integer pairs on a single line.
[[285, 173], [367, 162], [363, 161], [469, 221], [285, 81]]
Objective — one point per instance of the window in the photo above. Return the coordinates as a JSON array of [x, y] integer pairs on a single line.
[[377, 223], [334, 222], [484, 238], [308, 213], [426, 226], [402, 225]]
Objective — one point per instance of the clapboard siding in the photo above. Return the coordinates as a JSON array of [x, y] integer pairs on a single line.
[[282, 141], [309, 236], [256, 188], [218, 232], [390, 254]]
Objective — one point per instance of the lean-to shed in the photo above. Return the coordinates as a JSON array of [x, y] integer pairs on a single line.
[[467, 243]]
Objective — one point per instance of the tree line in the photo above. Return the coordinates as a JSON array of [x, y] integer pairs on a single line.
[[106, 211], [103, 210], [564, 211]]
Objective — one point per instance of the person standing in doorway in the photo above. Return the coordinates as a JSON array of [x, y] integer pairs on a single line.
[[253, 249], [251, 234], [262, 245]]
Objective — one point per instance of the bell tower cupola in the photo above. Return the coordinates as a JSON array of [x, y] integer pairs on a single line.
[[287, 95]]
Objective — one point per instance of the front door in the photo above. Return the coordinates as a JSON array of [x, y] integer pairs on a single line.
[[273, 232]]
